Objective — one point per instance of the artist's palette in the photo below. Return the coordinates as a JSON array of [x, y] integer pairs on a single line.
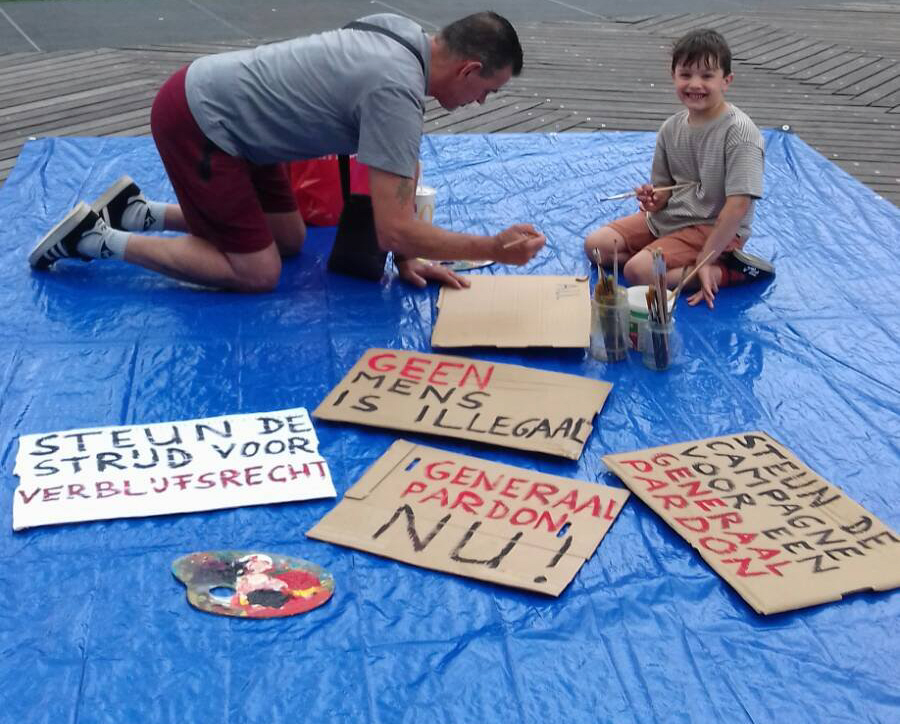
[[252, 584]]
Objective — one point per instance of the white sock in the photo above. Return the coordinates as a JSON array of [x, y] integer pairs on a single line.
[[102, 242], [143, 215]]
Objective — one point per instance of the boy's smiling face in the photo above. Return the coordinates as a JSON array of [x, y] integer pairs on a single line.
[[701, 88]]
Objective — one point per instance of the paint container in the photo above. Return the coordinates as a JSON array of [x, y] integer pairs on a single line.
[[425, 197], [609, 328], [637, 314], [660, 344]]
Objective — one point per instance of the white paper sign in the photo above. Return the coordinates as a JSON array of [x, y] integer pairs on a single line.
[[131, 471]]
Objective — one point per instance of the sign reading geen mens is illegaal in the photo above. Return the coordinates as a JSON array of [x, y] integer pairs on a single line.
[[471, 517], [499, 404], [781, 536], [130, 471]]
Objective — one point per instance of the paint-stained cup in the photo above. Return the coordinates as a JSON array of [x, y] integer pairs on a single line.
[[425, 196], [637, 314]]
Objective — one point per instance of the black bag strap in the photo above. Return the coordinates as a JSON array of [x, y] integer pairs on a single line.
[[344, 161], [344, 166], [359, 25]]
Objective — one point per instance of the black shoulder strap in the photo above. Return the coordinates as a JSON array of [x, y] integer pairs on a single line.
[[358, 25]]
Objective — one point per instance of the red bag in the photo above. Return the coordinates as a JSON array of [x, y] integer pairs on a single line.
[[317, 187]]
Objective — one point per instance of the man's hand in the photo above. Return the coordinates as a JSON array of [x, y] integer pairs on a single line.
[[650, 200], [518, 244], [417, 272], [708, 287]]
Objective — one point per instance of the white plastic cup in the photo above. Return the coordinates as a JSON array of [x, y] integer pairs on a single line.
[[425, 198], [637, 314]]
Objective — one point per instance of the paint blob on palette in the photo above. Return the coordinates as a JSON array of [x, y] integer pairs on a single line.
[[252, 584]]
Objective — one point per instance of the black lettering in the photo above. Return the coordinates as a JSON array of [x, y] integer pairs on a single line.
[[120, 438], [864, 542], [740, 500], [789, 547], [46, 448], [820, 498], [559, 554], [45, 467], [861, 526], [109, 460], [174, 440], [470, 400], [377, 379], [846, 552], [201, 429], [418, 544], [723, 485], [365, 404], [402, 386], [79, 438], [431, 389], [705, 468], [823, 537], [817, 567], [440, 418], [488, 562]]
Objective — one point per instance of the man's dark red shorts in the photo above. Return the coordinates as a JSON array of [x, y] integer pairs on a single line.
[[224, 199]]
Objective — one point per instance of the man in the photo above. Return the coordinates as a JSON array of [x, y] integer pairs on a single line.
[[225, 125]]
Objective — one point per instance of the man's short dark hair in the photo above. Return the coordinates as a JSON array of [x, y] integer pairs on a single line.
[[486, 37], [703, 46]]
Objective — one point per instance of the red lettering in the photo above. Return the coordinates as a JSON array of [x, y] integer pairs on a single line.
[[611, 506], [594, 504], [765, 553], [481, 382], [672, 501], [663, 459], [744, 567], [516, 520], [414, 487], [541, 491], [105, 489], [693, 487], [228, 477], [705, 505], [728, 546], [440, 496], [127, 485], [76, 490], [642, 466], [439, 372], [272, 476], [52, 493], [374, 359], [206, 479], [29, 498], [509, 490], [483, 480], [499, 507], [743, 538], [461, 474], [570, 501], [432, 474], [652, 484], [466, 499], [251, 475], [676, 473], [698, 525], [552, 525], [410, 367], [726, 519]]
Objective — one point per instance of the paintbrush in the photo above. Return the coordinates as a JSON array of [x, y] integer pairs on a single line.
[[629, 194], [687, 278]]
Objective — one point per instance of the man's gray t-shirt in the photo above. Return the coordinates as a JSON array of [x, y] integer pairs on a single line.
[[342, 91], [725, 155]]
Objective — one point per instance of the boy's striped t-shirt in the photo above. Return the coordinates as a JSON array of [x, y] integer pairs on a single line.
[[723, 157]]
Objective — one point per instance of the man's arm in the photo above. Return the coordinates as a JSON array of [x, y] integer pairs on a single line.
[[399, 231]]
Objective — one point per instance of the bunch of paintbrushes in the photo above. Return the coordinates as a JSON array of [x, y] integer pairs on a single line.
[[608, 321], [658, 313]]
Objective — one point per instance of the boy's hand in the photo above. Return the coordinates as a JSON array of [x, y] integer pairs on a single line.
[[651, 200], [708, 287]]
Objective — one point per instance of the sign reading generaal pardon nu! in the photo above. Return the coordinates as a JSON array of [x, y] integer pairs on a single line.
[[499, 404], [131, 471], [783, 537]]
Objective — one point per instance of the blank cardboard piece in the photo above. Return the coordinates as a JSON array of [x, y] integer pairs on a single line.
[[515, 311], [779, 534], [474, 518], [499, 404]]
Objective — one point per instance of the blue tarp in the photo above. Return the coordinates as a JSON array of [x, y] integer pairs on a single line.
[[96, 629]]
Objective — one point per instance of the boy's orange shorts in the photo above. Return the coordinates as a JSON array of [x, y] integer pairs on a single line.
[[679, 248]]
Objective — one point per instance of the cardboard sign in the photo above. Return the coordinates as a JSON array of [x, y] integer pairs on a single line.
[[781, 536], [467, 516], [131, 471], [515, 311], [500, 404]]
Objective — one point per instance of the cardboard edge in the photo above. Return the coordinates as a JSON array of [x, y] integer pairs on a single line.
[[380, 469]]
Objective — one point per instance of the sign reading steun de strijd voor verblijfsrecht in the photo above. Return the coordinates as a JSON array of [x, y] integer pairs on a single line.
[[500, 404], [129, 471]]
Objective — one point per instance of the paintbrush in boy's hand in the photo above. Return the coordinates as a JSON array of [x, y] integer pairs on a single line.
[[688, 277], [629, 194]]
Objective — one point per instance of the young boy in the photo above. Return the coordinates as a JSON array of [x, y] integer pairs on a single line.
[[713, 152]]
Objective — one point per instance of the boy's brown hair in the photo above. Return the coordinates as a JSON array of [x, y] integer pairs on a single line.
[[702, 46]]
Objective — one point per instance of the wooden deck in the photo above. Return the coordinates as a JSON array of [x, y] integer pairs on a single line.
[[831, 75]]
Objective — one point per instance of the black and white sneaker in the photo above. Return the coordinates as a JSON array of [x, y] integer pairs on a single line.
[[751, 267], [61, 242], [124, 207]]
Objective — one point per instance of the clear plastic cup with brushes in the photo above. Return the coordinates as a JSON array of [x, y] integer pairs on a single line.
[[609, 317]]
